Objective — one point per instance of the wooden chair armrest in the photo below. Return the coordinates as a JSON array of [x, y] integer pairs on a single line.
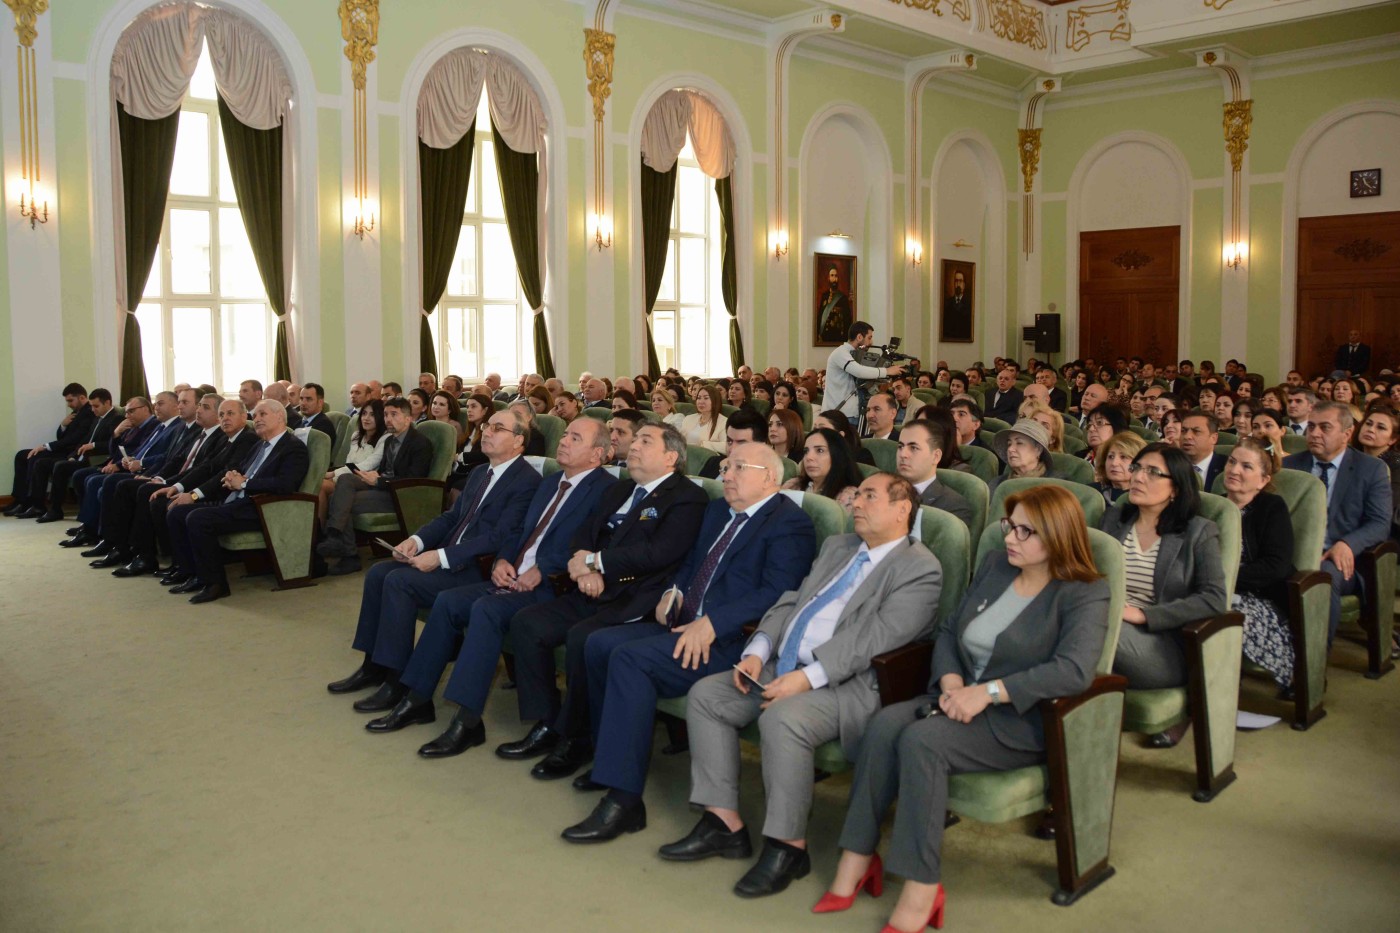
[[902, 674], [1199, 632], [1054, 710], [411, 482], [269, 498]]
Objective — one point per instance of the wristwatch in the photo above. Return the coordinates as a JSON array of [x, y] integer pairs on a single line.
[[591, 561], [994, 692]]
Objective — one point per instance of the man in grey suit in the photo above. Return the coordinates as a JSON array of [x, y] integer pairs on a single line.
[[920, 451], [1358, 499], [868, 593]]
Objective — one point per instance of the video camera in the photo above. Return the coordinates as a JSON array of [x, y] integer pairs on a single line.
[[881, 357]]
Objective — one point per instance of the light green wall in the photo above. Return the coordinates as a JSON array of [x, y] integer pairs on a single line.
[[74, 233], [8, 440]]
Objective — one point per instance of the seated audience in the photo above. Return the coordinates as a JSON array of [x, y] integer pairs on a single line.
[[622, 430], [443, 407], [838, 422], [921, 447], [706, 427], [1243, 419], [738, 393], [535, 445], [418, 402], [908, 405], [79, 428], [1225, 412], [785, 433], [1038, 411], [1104, 423], [827, 468], [1112, 462], [967, 417], [1379, 436], [364, 453], [472, 453], [763, 391], [784, 395], [1199, 435], [566, 406], [952, 458], [622, 399], [664, 405], [743, 427], [880, 413], [1269, 425], [540, 400], [1025, 449]]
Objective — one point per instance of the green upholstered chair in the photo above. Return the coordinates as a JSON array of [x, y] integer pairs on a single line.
[[760, 406], [985, 436], [1090, 499], [1024, 379], [713, 487], [984, 464], [341, 444], [498, 405], [687, 408], [695, 458], [804, 411], [927, 396], [1072, 428], [1080, 774], [994, 425], [867, 470], [1075, 469], [1075, 445], [1211, 697], [601, 414], [1225, 443], [884, 453], [545, 466], [1144, 433], [942, 387], [651, 416], [789, 468], [1294, 443], [644, 404], [288, 532], [1372, 622], [973, 489], [416, 501], [551, 428], [727, 410]]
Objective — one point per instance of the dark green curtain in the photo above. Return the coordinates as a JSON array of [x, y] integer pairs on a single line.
[[520, 178], [147, 154], [658, 193], [729, 276], [255, 163], [443, 176]]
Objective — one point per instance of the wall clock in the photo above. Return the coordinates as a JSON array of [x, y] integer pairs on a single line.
[[1366, 183]]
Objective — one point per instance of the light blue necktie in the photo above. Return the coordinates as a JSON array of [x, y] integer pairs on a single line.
[[618, 518], [257, 464], [787, 661]]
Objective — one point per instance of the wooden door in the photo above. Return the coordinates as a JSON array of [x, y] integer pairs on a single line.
[[1348, 276], [1129, 285]]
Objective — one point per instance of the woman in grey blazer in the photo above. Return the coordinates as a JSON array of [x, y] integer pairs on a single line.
[[1174, 572], [1031, 627]]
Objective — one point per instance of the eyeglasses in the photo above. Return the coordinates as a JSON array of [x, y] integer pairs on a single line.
[[493, 426], [724, 470], [1151, 471], [1022, 532]]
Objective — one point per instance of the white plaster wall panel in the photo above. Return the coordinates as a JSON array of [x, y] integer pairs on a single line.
[[1131, 184], [1362, 141], [961, 216]]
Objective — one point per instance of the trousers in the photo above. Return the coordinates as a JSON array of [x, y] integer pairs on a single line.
[[389, 602]]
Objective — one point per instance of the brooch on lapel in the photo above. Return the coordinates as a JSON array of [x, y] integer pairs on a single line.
[[647, 514]]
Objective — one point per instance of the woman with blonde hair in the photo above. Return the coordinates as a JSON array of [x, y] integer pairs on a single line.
[[1049, 419], [1112, 463], [663, 405]]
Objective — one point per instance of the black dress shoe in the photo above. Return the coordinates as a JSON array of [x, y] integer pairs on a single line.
[[174, 578], [113, 558], [585, 782], [49, 517], [540, 741], [457, 739], [568, 757], [777, 867], [608, 820], [1170, 737], [364, 678], [101, 549], [139, 567], [31, 512], [75, 530], [192, 585], [81, 539], [210, 593], [709, 838], [382, 700], [14, 508], [404, 713]]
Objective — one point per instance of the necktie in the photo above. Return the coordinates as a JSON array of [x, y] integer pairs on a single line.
[[263, 451], [1326, 469], [1296, 428], [564, 486], [618, 518], [787, 661], [150, 441], [461, 528], [189, 461], [695, 593], [1201, 472]]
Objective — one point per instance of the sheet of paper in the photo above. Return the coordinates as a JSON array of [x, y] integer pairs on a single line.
[[1251, 722]]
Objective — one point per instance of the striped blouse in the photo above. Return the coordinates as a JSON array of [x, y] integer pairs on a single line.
[[1140, 566]]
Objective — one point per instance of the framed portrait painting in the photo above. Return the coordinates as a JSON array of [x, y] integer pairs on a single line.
[[959, 290], [833, 298]]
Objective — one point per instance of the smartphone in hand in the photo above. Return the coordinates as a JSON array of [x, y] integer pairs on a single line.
[[753, 680]]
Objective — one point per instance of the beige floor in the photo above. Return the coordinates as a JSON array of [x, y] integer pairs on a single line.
[[164, 767]]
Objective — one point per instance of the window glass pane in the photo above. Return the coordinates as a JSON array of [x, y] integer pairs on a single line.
[[663, 331], [153, 280], [245, 342], [498, 276], [192, 338], [692, 272], [189, 253], [152, 343], [667, 292], [490, 181], [483, 115], [226, 192], [691, 193], [498, 341], [461, 356], [692, 340], [461, 281], [190, 174], [238, 272], [202, 86], [526, 318]]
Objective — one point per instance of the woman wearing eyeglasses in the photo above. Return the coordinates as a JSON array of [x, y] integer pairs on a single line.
[[1174, 573], [1031, 627]]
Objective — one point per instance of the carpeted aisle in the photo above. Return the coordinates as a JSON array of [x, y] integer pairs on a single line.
[[170, 767]]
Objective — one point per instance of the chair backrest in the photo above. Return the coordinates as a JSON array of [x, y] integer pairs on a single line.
[[867, 470], [973, 489], [498, 405], [789, 468], [828, 518], [1224, 450], [758, 405], [544, 465], [551, 428], [344, 433], [926, 395], [1072, 428], [1294, 443], [983, 463], [619, 472], [651, 416], [948, 538], [696, 457], [510, 391], [443, 437], [727, 410], [1226, 516], [804, 411], [1225, 443], [1307, 508], [884, 453], [1108, 558], [1143, 433], [1089, 497], [994, 425], [713, 488], [1075, 444], [985, 436], [644, 404], [600, 413], [318, 445], [1075, 469], [687, 408]]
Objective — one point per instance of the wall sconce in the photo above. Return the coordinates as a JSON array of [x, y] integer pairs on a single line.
[[359, 215], [1234, 253], [32, 212], [839, 235], [778, 239], [915, 249], [360, 228], [601, 228]]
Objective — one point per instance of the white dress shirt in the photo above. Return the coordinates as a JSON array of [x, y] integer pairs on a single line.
[[527, 560], [627, 506], [497, 472]]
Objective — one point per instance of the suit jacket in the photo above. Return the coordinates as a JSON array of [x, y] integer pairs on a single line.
[[1355, 362], [1189, 578], [770, 555], [553, 554], [1050, 650], [281, 473], [102, 429], [896, 604], [207, 476], [320, 423], [1360, 510], [207, 451], [496, 521], [182, 439], [69, 437], [131, 440], [1213, 469], [412, 459], [941, 497], [1007, 408], [1058, 400], [153, 456], [641, 554]]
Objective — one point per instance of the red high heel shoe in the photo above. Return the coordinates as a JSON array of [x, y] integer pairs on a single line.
[[935, 916], [873, 880]]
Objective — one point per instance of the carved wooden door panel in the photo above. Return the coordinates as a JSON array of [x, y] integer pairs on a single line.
[[1128, 293], [1348, 276]]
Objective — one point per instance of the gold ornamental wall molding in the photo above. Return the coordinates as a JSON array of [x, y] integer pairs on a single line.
[[1237, 121], [1028, 148], [1110, 19], [599, 47], [962, 9], [27, 13], [916, 77], [1018, 22], [359, 28]]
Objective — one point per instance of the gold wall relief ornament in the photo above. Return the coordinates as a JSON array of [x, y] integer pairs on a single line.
[[1110, 19], [1208, 58], [1018, 22], [27, 13], [1131, 259], [359, 27], [959, 8], [1216, 4], [598, 65], [835, 20], [1362, 250], [1237, 122], [1028, 143]]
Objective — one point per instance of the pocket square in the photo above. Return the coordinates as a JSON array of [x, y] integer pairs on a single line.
[[647, 514]]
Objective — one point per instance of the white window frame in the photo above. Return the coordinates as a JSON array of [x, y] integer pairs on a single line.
[[715, 357]]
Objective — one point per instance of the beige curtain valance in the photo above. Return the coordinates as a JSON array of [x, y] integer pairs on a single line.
[[673, 115], [451, 92]]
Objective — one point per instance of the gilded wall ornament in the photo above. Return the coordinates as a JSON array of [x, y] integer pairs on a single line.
[[1362, 250], [1018, 22], [359, 27], [1131, 259], [1110, 19], [1217, 4], [959, 8], [1028, 142], [27, 14], [1238, 118], [598, 64]]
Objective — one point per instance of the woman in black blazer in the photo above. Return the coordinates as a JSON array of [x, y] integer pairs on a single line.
[[1031, 627], [1174, 574]]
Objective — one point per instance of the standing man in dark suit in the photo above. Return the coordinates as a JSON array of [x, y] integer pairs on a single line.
[[1353, 357], [441, 556], [72, 431], [275, 467], [313, 410], [1199, 436], [623, 558], [1004, 401], [754, 545], [41, 469], [1359, 500], [524, 575], [407, 455], [920, 451]]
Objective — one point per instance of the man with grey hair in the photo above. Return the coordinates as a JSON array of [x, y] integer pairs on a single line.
[[626, 555]]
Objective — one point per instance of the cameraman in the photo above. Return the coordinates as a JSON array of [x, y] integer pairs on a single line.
[[848, 364]]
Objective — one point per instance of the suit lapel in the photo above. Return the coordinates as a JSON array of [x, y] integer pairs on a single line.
[[654, 497], [746, 533], [1167, 552], [874, 581]]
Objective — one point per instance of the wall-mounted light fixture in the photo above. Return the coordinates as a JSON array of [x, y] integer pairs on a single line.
[[915, 249], [359, 26], [27, 14], [601, 228], [1233, 254], [839, 235], [778, 239]]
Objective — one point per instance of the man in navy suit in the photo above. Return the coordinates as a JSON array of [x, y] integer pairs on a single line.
[[1199, 435], [624, 557], [524, 575], [276, 466], [1353, 357], [1004, 401], [441, 556], [132, 432], [754, 546], [1358, 500]]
